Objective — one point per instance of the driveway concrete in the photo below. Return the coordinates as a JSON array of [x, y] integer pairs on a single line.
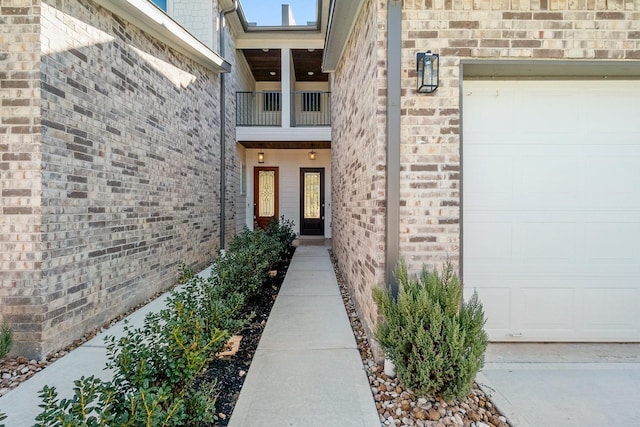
[[564, 384]]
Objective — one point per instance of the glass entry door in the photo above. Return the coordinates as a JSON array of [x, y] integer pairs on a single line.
[[265, 195], [312, 201]]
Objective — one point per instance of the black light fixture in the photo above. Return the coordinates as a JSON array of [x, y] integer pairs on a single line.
[[428, 68], [260, 157], [312, 154]]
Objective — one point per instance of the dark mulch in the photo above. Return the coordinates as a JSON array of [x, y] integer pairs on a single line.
[[229, 373]]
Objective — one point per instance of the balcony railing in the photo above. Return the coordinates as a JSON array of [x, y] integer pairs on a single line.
[[258, 109], [311, 108], [308, 108]]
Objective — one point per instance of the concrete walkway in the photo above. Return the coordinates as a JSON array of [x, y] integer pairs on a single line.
[[564, 384], [307, 369], [306, 372], [21, 404]]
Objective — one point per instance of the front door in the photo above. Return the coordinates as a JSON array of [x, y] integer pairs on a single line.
[[265, 195], [312, 201]]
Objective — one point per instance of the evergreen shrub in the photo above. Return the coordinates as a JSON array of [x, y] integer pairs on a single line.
[[435, 339], [156, 366], [6, 339]]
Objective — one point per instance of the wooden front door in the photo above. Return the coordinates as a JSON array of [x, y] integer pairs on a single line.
[[265, 195], [312, 201]]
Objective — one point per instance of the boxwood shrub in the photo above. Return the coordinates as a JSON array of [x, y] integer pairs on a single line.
[[155, 366]]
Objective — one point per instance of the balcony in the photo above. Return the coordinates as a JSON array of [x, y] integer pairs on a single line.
[[307, 109]]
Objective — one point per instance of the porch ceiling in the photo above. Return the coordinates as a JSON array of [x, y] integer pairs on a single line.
[[263, 63], [308, 61], [305, 61], [286, 145]]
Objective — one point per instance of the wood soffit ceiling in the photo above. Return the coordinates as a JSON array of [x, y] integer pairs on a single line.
[[286, 145], [263, 63]]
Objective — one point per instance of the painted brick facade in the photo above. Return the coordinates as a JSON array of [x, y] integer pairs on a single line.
[[118, 185], [430, 224]]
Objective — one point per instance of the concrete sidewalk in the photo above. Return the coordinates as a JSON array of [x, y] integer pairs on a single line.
[[564, 384], [21, 404], [307, 369], [306, 372]]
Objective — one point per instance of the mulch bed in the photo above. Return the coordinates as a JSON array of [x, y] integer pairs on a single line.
[[396, 405], [230, 372]]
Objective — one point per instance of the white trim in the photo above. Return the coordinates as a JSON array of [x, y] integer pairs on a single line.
[[148, 17], [267, 133], [342, 18]]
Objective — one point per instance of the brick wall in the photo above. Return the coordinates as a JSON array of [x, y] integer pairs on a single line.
[[358, 162], [430, 142], [527, 30], [130, 164], [233, 163], [20, 184]]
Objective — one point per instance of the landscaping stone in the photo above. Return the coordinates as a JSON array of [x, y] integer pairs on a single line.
[[397, 406]]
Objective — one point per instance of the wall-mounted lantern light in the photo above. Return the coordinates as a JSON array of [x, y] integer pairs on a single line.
[[428, 68], [312, 154], [260, 157]]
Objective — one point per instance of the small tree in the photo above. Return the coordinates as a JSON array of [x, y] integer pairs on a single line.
[[435, 339], [6, 340]]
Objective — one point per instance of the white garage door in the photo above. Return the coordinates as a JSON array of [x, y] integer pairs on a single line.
[[551, 208]]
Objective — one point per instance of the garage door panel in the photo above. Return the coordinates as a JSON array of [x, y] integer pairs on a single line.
[[599, 117], [606, 309], [552, 119], [489, 242], [498, 188], [536, 174], [551, 208], [496, 300], [502, 108], [612, 243], [548, 243], [545, 308], [615, 179]]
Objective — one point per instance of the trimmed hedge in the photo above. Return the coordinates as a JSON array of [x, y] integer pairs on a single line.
[[157, 364]]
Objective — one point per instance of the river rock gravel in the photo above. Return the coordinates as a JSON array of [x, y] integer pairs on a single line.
[[397, 406]]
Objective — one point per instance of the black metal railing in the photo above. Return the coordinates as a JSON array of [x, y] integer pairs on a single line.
[[308, 108], [258, 108], [311, 108]]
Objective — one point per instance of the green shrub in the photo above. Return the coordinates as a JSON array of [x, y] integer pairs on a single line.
[[164, 357], [282, 231], [156, 366], [436, 340], [186, 273], [246, 264], [6, 340], [89, 406]]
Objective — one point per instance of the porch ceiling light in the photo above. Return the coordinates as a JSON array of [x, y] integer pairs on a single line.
[[260, 157], [428, 68], [312, 154]]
